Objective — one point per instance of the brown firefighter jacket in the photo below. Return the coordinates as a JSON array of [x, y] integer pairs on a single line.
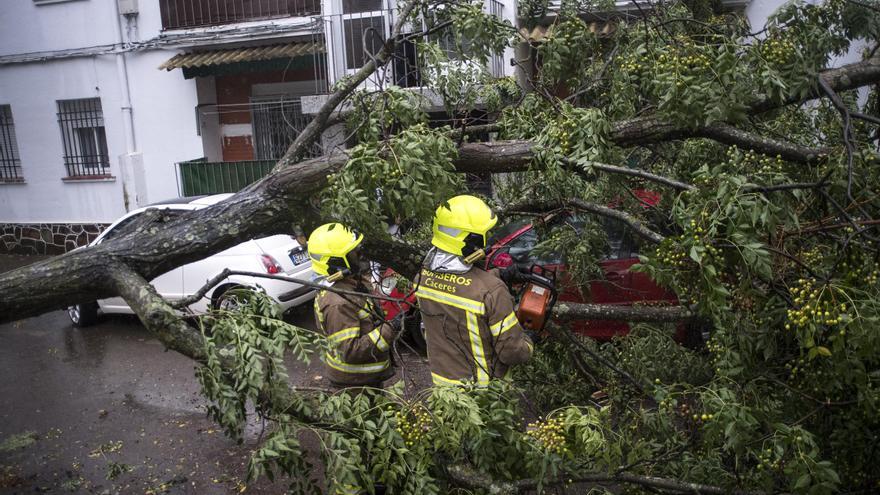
[[359, 345], [471, 328]]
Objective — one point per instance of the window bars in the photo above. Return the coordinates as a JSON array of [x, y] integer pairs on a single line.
[[277, 122], [360, 31], [10, 162], [178, 14], [85, 142]]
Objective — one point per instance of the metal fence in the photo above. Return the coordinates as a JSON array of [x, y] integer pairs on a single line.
[[199, 177], [85, 141], [10, 162], [178, 14]]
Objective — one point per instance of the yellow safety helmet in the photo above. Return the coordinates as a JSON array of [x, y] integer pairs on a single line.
[[461, 227], [329, 246]]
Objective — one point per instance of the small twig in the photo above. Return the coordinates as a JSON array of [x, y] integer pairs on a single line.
[[578, 204]]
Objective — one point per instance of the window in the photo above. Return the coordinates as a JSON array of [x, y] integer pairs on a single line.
[[10, 163], [85, 142], [622, 241], [364, 27], [355, 29]]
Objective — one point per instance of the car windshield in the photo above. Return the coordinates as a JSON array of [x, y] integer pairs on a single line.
[[505, 230], [622, 243]]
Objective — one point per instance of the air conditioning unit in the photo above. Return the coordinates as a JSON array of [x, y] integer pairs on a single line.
[[128, 7]]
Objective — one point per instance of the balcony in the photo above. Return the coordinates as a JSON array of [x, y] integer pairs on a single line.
[[199, 177], [183, 14]]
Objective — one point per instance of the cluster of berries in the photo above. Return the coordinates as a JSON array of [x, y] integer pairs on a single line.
[[550, 434], [777, 50], [813, 305], [414, 424]]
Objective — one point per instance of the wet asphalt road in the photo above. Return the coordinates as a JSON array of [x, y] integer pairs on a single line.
[[80, 405]]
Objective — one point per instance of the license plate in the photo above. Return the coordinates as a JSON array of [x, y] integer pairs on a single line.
[[299, 257]]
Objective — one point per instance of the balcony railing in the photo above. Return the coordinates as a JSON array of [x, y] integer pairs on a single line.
[[178, 14], [353, 37], [198, 177]]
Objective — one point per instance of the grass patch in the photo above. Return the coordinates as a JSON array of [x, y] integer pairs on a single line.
[[19, 441]]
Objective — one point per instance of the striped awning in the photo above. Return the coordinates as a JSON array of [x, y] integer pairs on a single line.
[[235, 55]]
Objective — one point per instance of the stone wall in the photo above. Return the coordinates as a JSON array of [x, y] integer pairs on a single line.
[[44, 238]]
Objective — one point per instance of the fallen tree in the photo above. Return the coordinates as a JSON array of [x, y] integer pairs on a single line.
[[275, 205], [686, 107]]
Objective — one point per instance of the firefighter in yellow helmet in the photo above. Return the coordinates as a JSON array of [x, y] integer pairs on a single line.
[[359, 337], [470, 324]]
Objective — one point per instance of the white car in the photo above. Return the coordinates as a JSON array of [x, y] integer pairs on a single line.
[[278, 254]]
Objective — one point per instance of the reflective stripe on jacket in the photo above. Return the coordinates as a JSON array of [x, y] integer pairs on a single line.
[[471, 328], [359, 354]]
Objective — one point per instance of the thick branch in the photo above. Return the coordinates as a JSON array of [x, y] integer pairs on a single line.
[[468, 477], [271, 206], [845, 78], [645, 130], [728, 134], [155, 313], [659, 314], [654, 129]]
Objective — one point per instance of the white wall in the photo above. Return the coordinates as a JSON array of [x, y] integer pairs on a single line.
[[163, 109], [32, 90], [164, 106], [29, 27]]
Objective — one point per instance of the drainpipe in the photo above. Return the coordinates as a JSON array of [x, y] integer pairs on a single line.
[[130, 164], [122, 73]]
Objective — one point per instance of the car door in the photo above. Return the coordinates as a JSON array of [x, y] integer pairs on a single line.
[[169, 284]]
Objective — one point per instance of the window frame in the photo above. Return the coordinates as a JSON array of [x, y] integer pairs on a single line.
[[10, 157], [75, 115]]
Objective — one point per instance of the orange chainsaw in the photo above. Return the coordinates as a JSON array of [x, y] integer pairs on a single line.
[[536, 298]]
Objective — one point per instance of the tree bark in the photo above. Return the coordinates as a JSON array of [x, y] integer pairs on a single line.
[[660, 314], [468, 477]]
